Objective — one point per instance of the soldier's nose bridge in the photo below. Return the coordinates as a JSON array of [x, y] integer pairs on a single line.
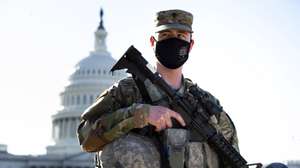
[[174, 34]]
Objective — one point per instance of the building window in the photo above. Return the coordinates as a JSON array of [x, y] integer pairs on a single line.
[[99, 71], [60, 126], [93, 72], [84, 99], [78, 100], [65, 127], [72, 100], [91, 99], [88, 72], [104, 72]]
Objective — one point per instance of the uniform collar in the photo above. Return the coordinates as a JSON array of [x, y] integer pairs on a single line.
[[156, 94]]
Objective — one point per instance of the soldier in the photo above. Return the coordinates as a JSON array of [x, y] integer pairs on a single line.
[[115, 124]]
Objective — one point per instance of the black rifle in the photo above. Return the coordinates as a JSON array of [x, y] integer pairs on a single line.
[[136, 65]]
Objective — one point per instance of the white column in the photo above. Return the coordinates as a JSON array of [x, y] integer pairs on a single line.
[[55, 130], [53, 133]]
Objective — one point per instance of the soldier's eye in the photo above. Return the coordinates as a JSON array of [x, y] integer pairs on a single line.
[[164, 34], [181, 35]]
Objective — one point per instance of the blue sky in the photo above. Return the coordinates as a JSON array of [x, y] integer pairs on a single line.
[[246, 53]]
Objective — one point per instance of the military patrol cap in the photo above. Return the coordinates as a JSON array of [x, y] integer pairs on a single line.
[[173, 19]]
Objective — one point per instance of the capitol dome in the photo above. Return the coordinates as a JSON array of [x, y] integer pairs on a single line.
[[94, 67], [91, 76], [96, 61]]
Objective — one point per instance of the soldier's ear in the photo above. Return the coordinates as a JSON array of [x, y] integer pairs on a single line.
[[152, 41], [191, 44]]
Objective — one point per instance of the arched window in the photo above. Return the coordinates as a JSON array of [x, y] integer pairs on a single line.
[[88, 72], [93, 72], [104, 72]]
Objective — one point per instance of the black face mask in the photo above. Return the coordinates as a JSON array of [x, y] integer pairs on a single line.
[[172, 53]]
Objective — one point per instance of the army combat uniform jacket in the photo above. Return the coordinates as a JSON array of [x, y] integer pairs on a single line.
[[120, 109]]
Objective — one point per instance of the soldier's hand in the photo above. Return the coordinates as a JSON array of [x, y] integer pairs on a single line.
[[160, 117]]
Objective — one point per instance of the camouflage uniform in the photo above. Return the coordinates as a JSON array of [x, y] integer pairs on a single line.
[[122, 109], [108, 124]]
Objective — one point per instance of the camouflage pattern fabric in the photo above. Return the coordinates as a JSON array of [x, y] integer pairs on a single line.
[[130, 151], [133, 150], [121, 109], [173, 19]]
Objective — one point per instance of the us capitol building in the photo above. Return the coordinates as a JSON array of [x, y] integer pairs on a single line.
[[91, 76]]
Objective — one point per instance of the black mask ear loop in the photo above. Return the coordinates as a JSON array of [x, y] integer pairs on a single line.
[[156, 41]]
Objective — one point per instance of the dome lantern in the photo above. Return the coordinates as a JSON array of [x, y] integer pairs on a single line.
[[100, 36]]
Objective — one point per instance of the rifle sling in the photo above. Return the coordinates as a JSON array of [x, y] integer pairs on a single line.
[[149, 130]]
